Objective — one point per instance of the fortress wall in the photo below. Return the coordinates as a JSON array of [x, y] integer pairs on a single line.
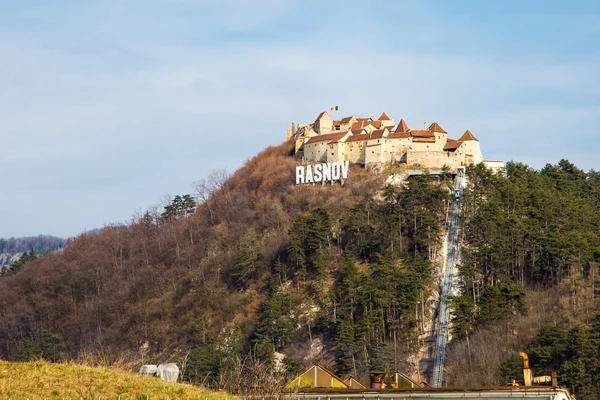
[[315, 151], [494, 165], [355, 152], [395, 149], [336, 152], [375, 153], [299, 144], [432, 159], [471, 151], [397, 145], [422, 146], [440, 141]]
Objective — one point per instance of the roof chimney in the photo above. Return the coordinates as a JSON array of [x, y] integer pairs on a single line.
[[425, 125]]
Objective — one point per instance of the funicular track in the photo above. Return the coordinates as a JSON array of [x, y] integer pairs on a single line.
[[451, 258]]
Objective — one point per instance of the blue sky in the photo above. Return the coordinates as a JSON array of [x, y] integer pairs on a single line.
[[106, 107]]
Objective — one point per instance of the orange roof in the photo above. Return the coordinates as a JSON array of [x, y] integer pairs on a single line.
[[336, 123], [340, 139], [420, 133], [327, 137], [383, 117], [357, 138], [402, 126], [357, 131], [452, 145], [378, 134], [364, 119], [467, 136], [365, 122], [399, 135], [435, 127], [345, 120]]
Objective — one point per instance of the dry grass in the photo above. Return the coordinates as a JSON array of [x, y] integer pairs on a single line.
[[43, 380]]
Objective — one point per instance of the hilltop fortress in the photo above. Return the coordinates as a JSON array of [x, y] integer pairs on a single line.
[[375, 143]]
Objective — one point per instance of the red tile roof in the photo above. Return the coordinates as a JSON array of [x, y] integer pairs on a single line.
[[336, 123], [357, 138], [345, 120], [364, 119], [435, 127], [420, 133], [399, 135], [383, 117], [357, 131], [402, 126], [327, 137], [467, 136], [365, 122], [452, 145], [378, 134]]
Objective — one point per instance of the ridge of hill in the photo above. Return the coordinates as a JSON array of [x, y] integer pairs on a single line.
[[41, 380], [12, 248], [264, 277]]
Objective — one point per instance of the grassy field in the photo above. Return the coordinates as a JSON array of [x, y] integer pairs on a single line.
[[42, 380]]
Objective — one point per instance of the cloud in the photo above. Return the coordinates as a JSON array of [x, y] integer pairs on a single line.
[[105, 107]]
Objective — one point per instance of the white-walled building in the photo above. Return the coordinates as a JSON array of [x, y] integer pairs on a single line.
[[375, 143]]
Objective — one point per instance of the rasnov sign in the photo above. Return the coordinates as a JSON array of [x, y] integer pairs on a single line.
[[326, 172]]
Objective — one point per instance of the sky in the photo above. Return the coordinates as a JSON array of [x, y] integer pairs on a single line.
[[108, 107]]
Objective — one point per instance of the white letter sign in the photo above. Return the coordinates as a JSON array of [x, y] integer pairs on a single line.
[[321, 173]]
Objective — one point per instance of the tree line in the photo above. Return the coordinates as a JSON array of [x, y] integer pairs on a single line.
[[532, 229]]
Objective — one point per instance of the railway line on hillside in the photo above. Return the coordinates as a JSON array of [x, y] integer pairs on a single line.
[[447, 284]]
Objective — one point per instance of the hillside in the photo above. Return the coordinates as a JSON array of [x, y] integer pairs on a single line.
[[347, 276], [40, 380], [12, 248]]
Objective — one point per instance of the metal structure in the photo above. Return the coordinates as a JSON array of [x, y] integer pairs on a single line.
[[452, 256]]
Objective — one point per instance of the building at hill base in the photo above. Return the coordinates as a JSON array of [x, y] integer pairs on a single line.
[[375, 143], [317, 376]]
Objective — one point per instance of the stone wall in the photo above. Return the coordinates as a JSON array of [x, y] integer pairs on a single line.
[[316, 151], [355, 152], [433, 159]]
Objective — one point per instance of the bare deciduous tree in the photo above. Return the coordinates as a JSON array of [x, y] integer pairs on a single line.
[[206, 188]]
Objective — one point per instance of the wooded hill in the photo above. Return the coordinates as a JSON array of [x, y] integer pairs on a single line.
[[12, 248], [342, 275]]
